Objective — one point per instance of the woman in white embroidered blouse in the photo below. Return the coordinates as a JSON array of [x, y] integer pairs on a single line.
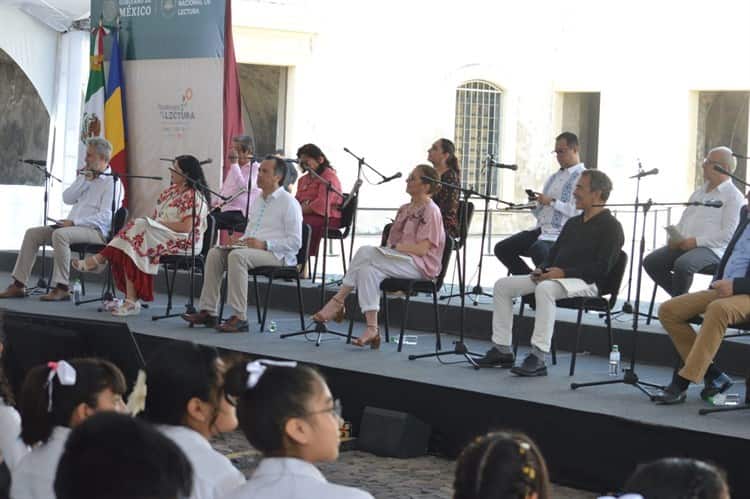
[[287, 412], [55, 398], [185, 398]]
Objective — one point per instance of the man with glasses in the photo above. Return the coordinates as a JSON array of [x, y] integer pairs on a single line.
[[555, 205], [703, 233]]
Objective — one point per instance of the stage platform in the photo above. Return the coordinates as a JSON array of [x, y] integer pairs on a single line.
[[592, 437]]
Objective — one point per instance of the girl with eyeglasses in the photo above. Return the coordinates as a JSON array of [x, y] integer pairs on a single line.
[[186, 399], [55, 398], [288, 413], [413, 250], [501, 465]]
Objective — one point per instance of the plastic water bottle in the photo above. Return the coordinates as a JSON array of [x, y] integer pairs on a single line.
[[614, 361], [272, 327], [77, 290]]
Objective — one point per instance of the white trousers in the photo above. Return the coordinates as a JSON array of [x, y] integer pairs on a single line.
[[369, 268], [60, 239], [545, 293], [236, 262]]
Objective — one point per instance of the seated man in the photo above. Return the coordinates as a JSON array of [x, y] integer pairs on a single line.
[[727, 302], [580, 260], [272, 238], [88, 222], [555, 204], [705, 231]]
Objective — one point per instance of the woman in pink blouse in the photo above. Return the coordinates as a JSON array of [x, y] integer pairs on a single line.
[[414, 251], [311, 193]]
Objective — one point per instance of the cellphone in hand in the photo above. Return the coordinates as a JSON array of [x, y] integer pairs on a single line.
[[531, 194]]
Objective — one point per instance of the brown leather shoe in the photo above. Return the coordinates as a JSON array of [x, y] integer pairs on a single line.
[[13, 291], [56, 294], [202, 318], [233, 325]]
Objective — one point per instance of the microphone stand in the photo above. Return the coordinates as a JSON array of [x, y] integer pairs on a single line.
[[189, 306], [43, 283], [459, 347], [320, 327], [383, 179], [477, 290], [627, 308], [629, 375], [108, 291]]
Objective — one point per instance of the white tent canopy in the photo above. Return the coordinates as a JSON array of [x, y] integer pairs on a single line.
[[57, 14]]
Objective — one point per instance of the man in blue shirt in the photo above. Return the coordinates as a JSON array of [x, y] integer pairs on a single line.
[[726, 302]]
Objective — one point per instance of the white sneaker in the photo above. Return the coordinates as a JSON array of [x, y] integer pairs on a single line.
[[111, 305], [127, 308]]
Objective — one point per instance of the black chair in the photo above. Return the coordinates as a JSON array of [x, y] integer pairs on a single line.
[[604, 302], [271, 273], [411, 287], [121, 216], [708, 270], [173, 263], [341, 233], [458, 243]]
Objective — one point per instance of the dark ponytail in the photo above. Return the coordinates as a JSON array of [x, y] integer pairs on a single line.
[[193, 170], [449, 148], [280, 394], [92, 377]]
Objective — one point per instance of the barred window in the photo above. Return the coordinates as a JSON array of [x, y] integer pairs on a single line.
[[477, 132]]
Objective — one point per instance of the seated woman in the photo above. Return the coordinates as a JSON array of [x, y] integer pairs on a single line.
[[288, 413], [55, 398], [311, 193], [134, 253], [243, 174], [442, 155], [501, 465], [414, 251], [186, 399]]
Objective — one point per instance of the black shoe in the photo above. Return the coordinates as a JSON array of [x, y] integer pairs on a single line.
[[671, 395], [719, 384], [531, 366], [495, 357]]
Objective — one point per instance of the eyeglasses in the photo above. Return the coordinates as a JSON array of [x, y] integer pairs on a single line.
[[335, 410]]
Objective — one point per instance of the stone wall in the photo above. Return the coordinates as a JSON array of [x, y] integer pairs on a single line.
[[24, 125]]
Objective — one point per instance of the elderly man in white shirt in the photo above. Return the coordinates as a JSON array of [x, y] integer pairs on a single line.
[[88, 222], [555, 205], [273, 237], [705, 231]]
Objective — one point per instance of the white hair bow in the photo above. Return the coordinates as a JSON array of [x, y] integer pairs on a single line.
[[256, 368], [66, 375]]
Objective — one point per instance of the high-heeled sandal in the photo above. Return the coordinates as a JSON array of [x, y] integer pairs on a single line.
[[87, 265], [328, 312], [373, 341]]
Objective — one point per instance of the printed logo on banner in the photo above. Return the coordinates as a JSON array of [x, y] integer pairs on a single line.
[[176, 119], [168, 8]]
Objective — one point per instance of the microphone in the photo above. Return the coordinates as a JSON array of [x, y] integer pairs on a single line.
[[713, 203], [37, 162], [721, 169], [740, 156], [206, 162], [502, 165], [388, 179], [652, 171]]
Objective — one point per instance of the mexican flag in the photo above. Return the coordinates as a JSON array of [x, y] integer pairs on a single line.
[[92, 121]]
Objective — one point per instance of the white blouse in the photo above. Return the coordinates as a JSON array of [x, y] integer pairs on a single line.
[[214, 476], [290, 478], [12, 448], [34, 477]]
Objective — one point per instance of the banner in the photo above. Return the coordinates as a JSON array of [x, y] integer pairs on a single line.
[[165, 29]]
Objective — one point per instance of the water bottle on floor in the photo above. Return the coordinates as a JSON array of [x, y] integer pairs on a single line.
[[272, 327], [77, 290], [614, 361]]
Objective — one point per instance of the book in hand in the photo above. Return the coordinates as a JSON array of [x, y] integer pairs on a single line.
[[673, 234], [392, 253]]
